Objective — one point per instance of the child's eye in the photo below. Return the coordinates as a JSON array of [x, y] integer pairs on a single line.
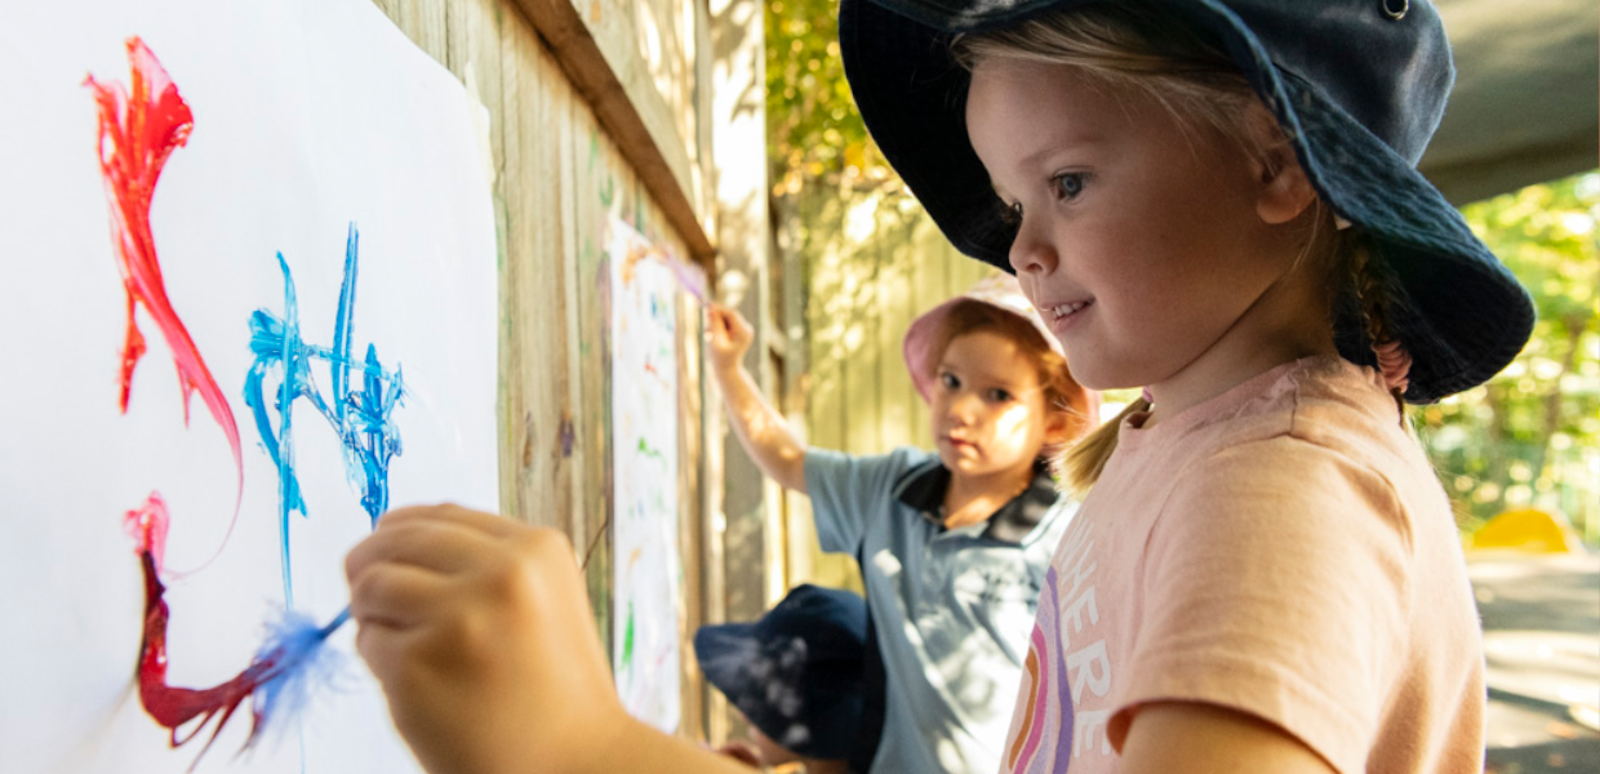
[[998, 395], [949, 380], [1067, 185]]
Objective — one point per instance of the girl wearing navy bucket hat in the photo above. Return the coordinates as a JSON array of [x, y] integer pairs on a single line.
[[1214, 200]]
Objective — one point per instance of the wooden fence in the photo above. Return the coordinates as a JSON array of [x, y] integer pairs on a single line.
[[600, 109]]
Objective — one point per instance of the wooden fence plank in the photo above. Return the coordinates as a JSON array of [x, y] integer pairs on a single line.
[[534, 282], [631, 113]]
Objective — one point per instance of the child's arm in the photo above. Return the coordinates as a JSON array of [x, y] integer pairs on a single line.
[[760, 427], [478, 628], [1194, 738]]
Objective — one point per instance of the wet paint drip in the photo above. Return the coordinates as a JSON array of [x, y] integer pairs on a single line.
[[362, 418], [275, 676], [139, 128]]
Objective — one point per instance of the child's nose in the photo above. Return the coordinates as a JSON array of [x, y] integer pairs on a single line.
[[963, 407], [1031, 250]]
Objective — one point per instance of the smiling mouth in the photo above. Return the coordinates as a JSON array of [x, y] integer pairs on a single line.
[[1063, 311]]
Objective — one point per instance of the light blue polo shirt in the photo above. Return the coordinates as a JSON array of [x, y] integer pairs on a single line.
[[953, 608]]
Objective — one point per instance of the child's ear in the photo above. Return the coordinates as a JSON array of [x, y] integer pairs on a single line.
[[1061, 427], [1285, 192]]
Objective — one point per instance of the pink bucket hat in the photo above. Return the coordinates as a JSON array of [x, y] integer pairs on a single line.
[[1002, 292]]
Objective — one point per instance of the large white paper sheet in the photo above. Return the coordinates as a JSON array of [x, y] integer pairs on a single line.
[[319, 133], [647, 605]]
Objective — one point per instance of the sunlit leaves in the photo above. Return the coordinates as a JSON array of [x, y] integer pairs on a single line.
[[814, 134], [1529, 437]]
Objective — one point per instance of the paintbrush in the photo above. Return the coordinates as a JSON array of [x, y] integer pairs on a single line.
[[690, 277]]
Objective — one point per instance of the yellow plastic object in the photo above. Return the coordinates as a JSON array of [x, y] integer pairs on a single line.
[[1530, 530]]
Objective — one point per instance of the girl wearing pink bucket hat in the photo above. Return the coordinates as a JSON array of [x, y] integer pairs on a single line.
[[930, 333], [953, 544]]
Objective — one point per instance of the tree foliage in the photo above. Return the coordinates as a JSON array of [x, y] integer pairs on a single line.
[[1531, 436], [814, 133]]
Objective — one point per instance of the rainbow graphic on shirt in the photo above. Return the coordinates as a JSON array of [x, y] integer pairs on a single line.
[[1045, 666]]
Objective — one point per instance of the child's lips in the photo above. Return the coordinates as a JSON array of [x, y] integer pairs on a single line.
[[1057, 311], [959, 443], [1062, 315]]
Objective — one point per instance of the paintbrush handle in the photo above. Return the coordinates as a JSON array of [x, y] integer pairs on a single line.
[[338, 621]]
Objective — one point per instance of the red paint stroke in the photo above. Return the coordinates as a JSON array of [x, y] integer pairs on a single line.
[[171, 706], [266, 681], [139, 129]]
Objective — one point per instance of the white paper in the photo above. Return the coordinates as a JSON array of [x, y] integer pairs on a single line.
[[309, 116], [646, 598]]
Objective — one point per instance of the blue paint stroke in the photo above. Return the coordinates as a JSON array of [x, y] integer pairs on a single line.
[[363, 419]]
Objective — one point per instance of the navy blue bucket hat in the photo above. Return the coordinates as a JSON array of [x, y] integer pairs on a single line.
[[796, 674], [1359, 86]]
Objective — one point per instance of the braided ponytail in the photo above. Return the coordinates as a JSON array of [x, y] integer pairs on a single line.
[[1372, 296]]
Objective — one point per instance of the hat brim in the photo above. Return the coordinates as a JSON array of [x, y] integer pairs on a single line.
[[726, 652], [722, 651], [1456, 308]]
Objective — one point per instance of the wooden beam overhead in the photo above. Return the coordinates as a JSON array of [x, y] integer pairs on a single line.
[[578, 52]]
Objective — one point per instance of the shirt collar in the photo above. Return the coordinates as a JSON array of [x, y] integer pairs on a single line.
[[923, 489]]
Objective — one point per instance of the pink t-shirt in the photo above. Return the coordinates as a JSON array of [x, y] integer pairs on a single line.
[[1284, 550]]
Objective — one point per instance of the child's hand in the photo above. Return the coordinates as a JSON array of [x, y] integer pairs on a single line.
[[730, 338], [479, 629], [743, 752]]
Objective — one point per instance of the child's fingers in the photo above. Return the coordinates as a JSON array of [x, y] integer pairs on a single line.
[[376, 644], [394, 595], [389, 654], [449, 512], [742, 752], [718, 322], [438, 544], [730, 322]]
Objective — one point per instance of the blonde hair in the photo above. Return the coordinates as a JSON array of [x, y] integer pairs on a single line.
[[1062, 393], [1190, 75], [1128, 46]]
